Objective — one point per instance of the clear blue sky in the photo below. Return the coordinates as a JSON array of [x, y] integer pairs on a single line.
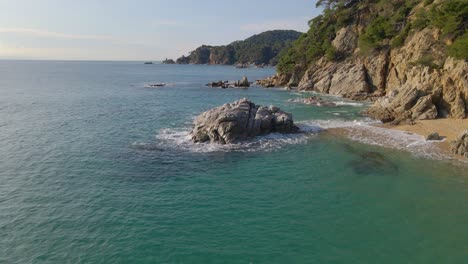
[[138, 29]]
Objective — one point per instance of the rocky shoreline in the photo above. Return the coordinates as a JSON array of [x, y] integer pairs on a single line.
[[402, 89]]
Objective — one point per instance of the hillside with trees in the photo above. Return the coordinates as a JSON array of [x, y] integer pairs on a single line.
[[264, 48]]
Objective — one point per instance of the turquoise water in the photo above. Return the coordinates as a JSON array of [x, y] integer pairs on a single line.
[[97, 168]]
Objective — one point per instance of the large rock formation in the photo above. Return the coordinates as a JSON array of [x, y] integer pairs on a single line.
[[460, 146], [239, 121], [412, 81], [406, 104]]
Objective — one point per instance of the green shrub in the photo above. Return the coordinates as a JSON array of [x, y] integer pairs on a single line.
[[427, 61], [459, 48], [331, 54], [421, 20], [399, 40], [428, 2], [450, 16]]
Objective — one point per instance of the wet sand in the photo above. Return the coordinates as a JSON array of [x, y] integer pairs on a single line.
[[408, 137], [447, 128]]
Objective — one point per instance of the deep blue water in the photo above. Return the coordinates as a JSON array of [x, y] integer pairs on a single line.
[[97, 168]]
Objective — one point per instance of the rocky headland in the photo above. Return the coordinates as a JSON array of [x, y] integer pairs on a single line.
[[168, 61], [407, 57], [395, 54], [261, 49]]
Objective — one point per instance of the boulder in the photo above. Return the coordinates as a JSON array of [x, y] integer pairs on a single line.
[[218, 84], [434, 137], [243, 83], [239, 121], [460, 145]]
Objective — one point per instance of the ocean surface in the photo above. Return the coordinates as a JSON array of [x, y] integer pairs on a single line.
[[96, 167]]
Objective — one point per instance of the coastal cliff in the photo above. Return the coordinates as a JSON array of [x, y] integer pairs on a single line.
[[409, 57], [264, 48]]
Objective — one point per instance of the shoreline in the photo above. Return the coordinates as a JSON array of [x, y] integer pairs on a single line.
[[449, 129], [410, 138]]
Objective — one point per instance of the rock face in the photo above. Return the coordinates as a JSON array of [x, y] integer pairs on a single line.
[[460, 146], [414, 82], [239, 121], [346, 40], [406, 104], [274, 81]]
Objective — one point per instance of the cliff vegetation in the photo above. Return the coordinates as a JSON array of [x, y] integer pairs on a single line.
[[264, 48]]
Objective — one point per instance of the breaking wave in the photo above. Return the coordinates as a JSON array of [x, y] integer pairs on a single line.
[[181, 140], [366, 131]]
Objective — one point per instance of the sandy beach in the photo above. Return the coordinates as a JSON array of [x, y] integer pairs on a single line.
[[447, 128]]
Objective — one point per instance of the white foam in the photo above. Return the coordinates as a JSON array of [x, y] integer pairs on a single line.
[[344, 103], [365, 131], [180, 139]]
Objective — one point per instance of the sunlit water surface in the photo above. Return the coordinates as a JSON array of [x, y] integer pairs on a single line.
[[97, 168]]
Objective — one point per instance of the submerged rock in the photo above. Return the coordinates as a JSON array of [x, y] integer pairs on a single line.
[[239, 121], [460, 145], [370, 162], [373, 163], [315, 100]]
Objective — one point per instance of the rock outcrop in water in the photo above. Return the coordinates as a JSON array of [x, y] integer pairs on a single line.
[[460, 146], [168, 61], [239, 121], [244, 83]]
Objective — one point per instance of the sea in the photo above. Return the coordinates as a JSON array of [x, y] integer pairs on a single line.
[[97, 166]]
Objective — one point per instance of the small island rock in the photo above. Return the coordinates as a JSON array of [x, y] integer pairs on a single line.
[[168, 61], [239, 121]]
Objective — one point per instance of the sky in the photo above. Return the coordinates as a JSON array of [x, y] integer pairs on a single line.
[[138, 29]]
